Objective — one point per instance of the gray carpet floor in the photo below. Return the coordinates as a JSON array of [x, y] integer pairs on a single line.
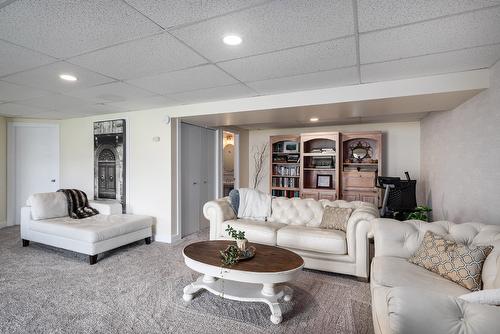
[[138, 289]]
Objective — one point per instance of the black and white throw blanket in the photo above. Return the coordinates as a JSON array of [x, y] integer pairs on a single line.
[[78, 204]]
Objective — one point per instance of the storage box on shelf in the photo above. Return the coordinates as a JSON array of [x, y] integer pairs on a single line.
[[320, 175], [285, 166], [361, 164]]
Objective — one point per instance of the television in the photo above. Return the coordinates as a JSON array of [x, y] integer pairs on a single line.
[[290, 147]]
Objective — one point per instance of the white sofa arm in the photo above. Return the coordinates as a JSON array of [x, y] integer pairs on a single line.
[[396, 238], [359, 230], [217, 212], [415, 311]]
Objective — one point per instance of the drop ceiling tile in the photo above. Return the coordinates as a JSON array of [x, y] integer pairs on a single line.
[[169, 13], [110, 92], [454, 61], [56, 102], [17, 110], [212, 94], [451, 33], [274, 26], [47, 77], [205, 76], [14, 58], [376, 14], [71, 27], [300, 60], [150, 102], [325, 79], [156, 54], [13, 92]]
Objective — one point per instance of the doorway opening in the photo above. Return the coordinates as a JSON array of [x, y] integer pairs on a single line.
[[229, 161]]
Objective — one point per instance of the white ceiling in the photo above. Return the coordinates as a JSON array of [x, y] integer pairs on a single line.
[[139, 54]]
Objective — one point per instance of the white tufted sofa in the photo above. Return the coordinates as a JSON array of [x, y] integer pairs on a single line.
[[294, 224], [409, 299]]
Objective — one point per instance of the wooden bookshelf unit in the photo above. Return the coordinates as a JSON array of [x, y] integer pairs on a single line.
[[285, 166], [327, 165], [361, 164], [320, 175]]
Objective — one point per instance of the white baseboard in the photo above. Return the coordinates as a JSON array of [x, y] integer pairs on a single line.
[[3, 224], [167, 238]]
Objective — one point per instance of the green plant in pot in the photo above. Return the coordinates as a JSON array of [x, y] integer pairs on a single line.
[[239, 236], [232, 253], [419, 213]]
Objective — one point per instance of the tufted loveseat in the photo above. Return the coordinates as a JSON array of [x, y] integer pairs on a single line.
[[409, 299], [294, 224]]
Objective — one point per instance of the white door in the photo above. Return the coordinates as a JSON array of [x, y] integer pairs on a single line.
[[208, 170], [33, 165], [191, 177]]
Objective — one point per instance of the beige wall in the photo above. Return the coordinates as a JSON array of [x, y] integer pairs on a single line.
[[3, 171], [461, 158], [149, 170], [401, 146]]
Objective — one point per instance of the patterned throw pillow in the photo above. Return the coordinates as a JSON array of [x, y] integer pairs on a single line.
[[457, 262], [234, 200], [335, 218]]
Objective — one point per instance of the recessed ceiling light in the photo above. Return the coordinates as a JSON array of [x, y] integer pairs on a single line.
[[314, 119], [68, 77], [232, 40]]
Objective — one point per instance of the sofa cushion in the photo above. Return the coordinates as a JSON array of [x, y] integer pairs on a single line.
[[452, 260], [255, 230], [335, 218], [313, 239], [398, 272], [92, 229], [48, 205]]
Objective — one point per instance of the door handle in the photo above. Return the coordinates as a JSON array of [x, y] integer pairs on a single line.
[[195, 183], [53, 180]]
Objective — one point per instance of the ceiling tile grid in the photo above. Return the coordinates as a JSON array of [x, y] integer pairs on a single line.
[[215, 93], [151, 55], [124, 58], [11, 92], [71, 27], [205, 76], [448, 62], [376, 14], [324, 79], [277, 25], [451, 33], [110, 92], [290, 62], [149, 102], [14, 58], [170, 13], [47, 77]]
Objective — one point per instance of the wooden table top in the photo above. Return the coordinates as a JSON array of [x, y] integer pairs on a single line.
[[267, 259]]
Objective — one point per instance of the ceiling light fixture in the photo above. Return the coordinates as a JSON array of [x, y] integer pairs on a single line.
[[232, 40], [68, 77], [314, 119]]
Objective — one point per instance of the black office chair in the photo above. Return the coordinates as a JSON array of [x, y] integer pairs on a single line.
[[399, 196]]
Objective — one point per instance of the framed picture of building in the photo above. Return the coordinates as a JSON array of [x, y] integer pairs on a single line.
[[110, 160]]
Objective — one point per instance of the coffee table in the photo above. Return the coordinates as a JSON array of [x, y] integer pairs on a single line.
[[254, 280]]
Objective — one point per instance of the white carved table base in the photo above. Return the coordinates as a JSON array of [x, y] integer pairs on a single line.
[[246, 292]]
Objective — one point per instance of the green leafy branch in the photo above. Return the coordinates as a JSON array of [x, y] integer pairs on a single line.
[[238, 235], [420, 213]]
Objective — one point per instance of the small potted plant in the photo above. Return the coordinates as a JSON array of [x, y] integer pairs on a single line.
[[239, 236], [420, 213]]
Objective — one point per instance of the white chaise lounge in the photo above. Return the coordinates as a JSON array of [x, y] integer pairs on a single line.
[[45, 220]]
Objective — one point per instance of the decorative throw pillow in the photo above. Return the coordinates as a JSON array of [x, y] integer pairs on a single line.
[[335, 218], [457, 262], [234, 200], [488, 296]]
